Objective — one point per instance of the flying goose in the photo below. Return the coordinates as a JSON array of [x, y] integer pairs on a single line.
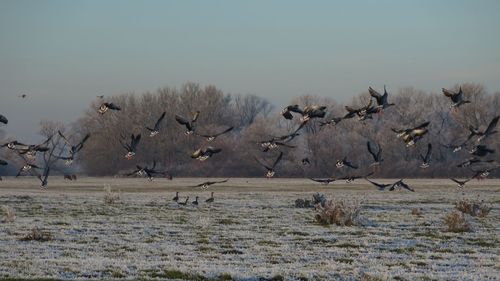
[[211, 199], [146, 171], [332, 122], [100, 97], [3, 119], [156, 129], [455, 148], [377, 157], [23, 96], [460, 183], [309, 111], [104, 107], [472, 161], [486, 133], [131, 148], [381, 99], [287, 111], [481, 150], [211, 137], [203, 154], [189, 124], [426, 159], [412, 135], [323, 181], [305, 161], [3, 162], [30, 150], [176, 198], [363, 112], [27, 167], [381, 186], [456, 98], [349, 179], [73, 148], [195, 202], [400, 184], [270, 170], [45, 179], [206, 184], [343, 162], [484, 173], [183, 203]]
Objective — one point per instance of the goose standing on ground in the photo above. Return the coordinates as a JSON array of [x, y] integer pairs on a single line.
[[323, 181], [211, 199], [270, 170], [377, 157], [195, 202], [73, 149], [206, 184], [189, 124], [132, 147], [460, 183], [382, 102], [400, 184], [203, 154], [456, 98], [211, 137], [486, 133], [3, 119], [104, 107], [156, 129], [183, 203], [381, 186], [344, 162], [176, 198], [427, 158]]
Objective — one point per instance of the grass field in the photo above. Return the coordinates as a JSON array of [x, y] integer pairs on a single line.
[[251, 232]]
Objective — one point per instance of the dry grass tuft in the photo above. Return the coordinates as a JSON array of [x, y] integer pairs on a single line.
[[456, 222], [37, 234], [340, 212], [9, 214], [473, 208], [110, 197], [416, 212]]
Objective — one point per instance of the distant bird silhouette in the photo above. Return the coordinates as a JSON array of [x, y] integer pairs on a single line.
[[176, 198], [195, 202], [426, 159], [73, 148], [344, 162], [412, 135], [382, 102], [381, 186], [23, 95], [456, 98], [377, 157], [104, 107], [183, 203], [400, 184], [3, 119], [460, 184], [472, 161], [3, 163], [305, 161], [486, 133], [481, 150], [351, 178], [203, 154], [156, 129], [211, 137], [132, 147], [44, 180], [189, 124], [323, 181], [331, 122], [206, 184], [483, 174], [270, 169]]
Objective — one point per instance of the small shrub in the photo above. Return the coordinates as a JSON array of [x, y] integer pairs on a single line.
[[339, 212], [416, 212], [473, 208], [9, 214], [110, 197], [456, 222], [37, 235], [303, 203]]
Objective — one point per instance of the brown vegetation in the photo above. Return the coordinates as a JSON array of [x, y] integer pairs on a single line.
[[456, 222]]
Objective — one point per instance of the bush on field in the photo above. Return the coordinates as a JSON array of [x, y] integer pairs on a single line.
[[456, 222], [37, 234], [9, 215], [339, 212], [110, 197], [473, 208]]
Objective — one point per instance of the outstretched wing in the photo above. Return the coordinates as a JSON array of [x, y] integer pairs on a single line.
[[278, 160], [262, 164], [157, 124], [492, 125]]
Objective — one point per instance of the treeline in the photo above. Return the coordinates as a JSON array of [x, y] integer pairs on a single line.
[[255, 119]]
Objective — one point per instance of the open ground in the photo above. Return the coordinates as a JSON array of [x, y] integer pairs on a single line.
[[251, 232]]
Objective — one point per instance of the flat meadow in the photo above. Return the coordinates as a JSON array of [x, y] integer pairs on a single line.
[[252, 231]]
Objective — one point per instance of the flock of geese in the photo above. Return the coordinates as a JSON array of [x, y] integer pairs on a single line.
[[474, 143]]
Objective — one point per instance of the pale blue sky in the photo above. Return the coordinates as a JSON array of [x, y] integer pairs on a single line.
[[64, 53]]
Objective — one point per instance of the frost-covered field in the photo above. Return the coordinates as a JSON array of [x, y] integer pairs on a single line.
[[251, 232]]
